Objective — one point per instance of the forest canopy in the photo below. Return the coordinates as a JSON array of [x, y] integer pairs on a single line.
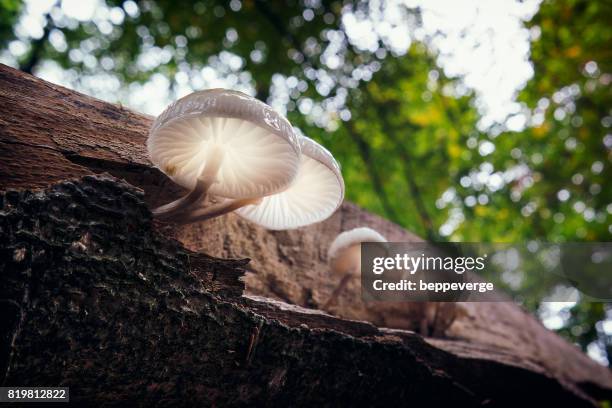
[[372, 82]]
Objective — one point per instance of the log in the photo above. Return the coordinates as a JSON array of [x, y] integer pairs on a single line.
[[176, 328], [99, 301]]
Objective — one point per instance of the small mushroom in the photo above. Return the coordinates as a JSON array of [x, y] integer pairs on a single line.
[[344, 256], [315, 193], [223, 143]]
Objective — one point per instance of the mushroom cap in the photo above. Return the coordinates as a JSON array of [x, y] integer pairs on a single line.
[[352, 238], [316, 192], [261, 153]]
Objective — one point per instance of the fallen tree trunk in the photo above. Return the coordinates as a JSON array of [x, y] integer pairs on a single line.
[[98, 301], [483, 352]]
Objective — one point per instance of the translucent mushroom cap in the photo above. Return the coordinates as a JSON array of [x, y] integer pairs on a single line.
[[316, 192], [261, 153], [344, 253]]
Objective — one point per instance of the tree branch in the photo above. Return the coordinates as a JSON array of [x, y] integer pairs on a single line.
[[407, 162], [280, 27], [377, 183]]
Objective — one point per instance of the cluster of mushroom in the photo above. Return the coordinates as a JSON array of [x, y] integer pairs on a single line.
[[247, 158]]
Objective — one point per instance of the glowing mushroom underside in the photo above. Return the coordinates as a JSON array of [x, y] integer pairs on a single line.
[[252, 150], [316, 192]]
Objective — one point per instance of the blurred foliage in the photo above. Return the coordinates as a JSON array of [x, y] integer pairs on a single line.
[[9, 12], [405, 134], [404, 144], [571, 98], [195, 32]]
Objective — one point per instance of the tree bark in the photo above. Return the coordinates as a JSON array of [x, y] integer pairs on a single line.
[[100, 298]]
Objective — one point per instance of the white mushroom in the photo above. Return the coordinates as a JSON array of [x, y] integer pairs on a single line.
[[344, 256], [315, 193], [224, 143]]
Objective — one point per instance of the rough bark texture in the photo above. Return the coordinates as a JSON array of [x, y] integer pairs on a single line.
[[98, 301], [48, 134]]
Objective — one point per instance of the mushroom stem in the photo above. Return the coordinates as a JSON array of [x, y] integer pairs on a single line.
[[337, 291], [207, 177], [218, 209]]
